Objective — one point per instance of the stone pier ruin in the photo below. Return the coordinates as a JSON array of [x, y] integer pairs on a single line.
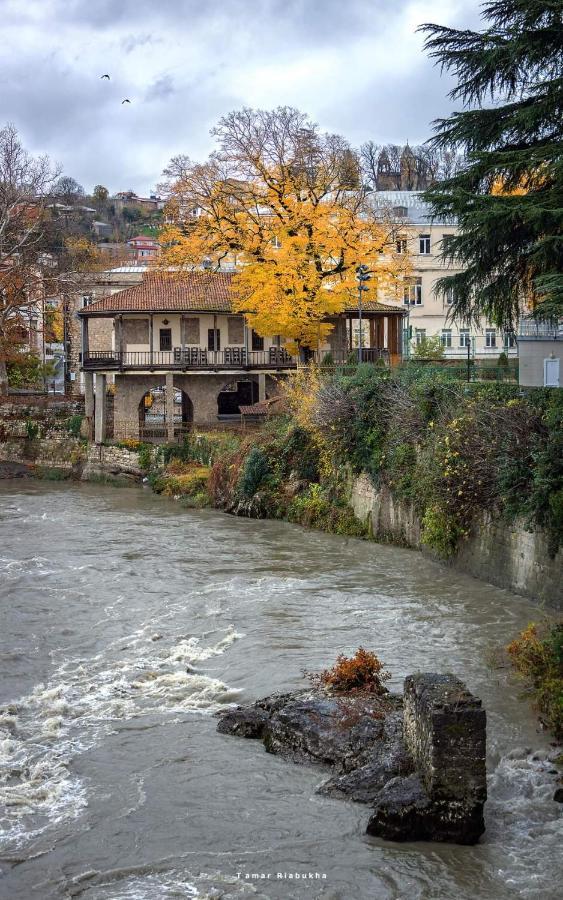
[[418, 759]]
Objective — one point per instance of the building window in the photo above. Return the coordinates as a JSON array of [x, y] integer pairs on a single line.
[[400, 212], [276, 243], [213, 339], [464, 337], [509, 340], [446, 337], [419, 336], [412, 292], [424, 244], [166, 339], [257, 341], [401, 245], [449, 297], [490, 337]]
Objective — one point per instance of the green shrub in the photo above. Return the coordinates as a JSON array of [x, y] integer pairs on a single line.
[[31, 429], [440, 532], [255, 470], [145, 456], [73, 425]]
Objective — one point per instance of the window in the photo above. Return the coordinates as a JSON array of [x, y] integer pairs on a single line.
[[412, 292], [464, 337], [276, 243], [490, 337], [419, 336], [446, 337], [424, 244], [509, 340], [257, 341], [401, 245], [400, 212], [166, 339], [213, 339], [449, 297]]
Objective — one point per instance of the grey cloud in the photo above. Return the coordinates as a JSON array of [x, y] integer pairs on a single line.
[[160, 89], [185, 63], [133, 41]]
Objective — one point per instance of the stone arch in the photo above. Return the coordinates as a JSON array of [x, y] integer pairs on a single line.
[[242, 391], [152, 410]]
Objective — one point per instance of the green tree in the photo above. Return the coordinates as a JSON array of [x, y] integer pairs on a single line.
[[428, 348], [508, 197], [100, 195]]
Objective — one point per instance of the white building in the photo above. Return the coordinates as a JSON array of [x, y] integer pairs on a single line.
[[429, 314]]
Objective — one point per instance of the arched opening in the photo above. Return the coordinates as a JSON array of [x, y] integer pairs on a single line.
[[152, 414], [234, 395]]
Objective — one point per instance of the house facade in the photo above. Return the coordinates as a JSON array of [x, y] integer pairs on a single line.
[[540, 353], [423, 238], [177, 353], [143, 249]]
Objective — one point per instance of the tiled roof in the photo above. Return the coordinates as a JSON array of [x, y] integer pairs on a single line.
[[201, 291], [195, 291], [374, 306]]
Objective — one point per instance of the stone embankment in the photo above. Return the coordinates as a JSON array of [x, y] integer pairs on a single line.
[[508, 555], [417, 760]]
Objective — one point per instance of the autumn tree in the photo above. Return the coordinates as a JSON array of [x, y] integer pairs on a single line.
[[25, 186], [281, 201], [508, 197], [100, 196]]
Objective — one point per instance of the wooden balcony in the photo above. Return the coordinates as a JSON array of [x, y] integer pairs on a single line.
[[189, 359]]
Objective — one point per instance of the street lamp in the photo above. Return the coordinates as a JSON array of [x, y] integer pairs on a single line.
[[363, 274]]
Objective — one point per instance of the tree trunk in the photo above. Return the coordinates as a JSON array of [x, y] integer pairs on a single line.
[[3, 377]]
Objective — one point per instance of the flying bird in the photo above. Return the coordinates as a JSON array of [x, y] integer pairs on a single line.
[[125, 101], [106, 76]]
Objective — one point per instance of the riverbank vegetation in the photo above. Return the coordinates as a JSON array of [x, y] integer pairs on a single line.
[[537, 655], [453, 451]]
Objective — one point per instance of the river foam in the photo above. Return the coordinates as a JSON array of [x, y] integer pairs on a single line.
[[41, 733]]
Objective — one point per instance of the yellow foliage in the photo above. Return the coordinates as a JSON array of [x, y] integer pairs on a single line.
[[295, 230]]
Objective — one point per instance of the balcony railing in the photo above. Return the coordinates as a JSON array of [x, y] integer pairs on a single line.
[[541, 330], [190, 358]]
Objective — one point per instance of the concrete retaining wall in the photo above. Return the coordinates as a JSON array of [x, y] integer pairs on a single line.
[[505, 554]]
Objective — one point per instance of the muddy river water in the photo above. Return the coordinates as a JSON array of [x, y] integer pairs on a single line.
[[127, 621]]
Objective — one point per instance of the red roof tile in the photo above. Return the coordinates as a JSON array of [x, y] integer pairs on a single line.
[[192, 292], [197, 291]]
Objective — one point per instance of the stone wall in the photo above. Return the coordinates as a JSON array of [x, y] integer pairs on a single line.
[[35, 431], [504, 554], [115, 462]]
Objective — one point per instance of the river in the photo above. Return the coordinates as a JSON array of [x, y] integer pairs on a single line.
[[127, 621]]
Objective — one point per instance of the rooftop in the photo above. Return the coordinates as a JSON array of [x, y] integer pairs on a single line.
[[201, 291]]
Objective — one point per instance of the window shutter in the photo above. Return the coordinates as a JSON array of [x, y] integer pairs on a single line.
[[235, 325], [190, 330]]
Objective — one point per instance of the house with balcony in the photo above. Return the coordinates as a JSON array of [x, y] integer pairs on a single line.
[[178, 353]]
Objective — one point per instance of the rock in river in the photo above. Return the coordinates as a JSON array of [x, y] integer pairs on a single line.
[[418, 760]]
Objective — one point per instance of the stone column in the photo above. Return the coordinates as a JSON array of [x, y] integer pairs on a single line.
[[261, 386], [170, 406], [89, 403], [100, 426]]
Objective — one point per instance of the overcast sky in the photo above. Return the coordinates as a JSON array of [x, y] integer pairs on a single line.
[[356, 66]]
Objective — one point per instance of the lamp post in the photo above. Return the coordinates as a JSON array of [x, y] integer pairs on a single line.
[[363, 275]]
